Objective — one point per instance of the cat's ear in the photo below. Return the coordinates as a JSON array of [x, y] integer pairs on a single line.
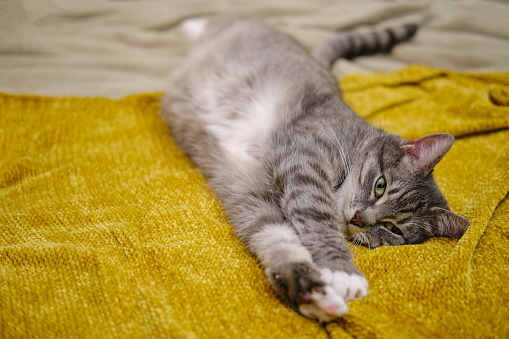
[[426, 152], [448, 224]]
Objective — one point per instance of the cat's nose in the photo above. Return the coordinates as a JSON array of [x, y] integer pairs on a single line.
[[356, 220]]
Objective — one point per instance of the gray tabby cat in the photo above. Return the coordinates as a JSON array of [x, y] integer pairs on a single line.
[[298, 172]]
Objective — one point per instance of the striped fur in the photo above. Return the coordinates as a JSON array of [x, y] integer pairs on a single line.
[[296, 168], [351, 44]]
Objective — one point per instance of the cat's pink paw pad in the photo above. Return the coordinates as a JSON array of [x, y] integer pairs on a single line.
[[348, 286], [325, 305]]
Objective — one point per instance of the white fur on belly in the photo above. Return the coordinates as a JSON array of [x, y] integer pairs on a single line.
[[242, 136]]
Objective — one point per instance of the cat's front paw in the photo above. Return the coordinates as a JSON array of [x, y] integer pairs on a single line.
[[324, 304], [301, 284], [329, 302], [347, 286]]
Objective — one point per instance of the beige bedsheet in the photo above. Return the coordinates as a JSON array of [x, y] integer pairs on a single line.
[[114, 48]]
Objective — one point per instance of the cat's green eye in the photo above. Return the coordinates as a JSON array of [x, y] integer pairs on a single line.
[[390, 226], [380, 187]]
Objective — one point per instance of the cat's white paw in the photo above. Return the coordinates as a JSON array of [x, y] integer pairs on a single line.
[[329, 302], [325, 305], [347, 286]]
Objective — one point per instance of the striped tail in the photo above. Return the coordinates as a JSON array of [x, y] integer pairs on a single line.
[[351, 44]]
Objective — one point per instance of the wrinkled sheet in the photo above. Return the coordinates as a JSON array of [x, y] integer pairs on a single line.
[[114, 48]]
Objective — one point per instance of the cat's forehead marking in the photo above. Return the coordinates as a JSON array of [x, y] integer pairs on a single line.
[[381, 152], [367, 171], [404, 220], [394, 190]]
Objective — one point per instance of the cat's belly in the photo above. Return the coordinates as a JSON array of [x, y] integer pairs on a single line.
[[243, 127]]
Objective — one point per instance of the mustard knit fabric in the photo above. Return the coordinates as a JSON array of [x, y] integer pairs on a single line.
[[107, 230]]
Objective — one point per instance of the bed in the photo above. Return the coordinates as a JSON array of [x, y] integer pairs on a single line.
[[108, 230]]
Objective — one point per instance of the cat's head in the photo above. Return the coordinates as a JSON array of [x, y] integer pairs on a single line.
[[390, 196]]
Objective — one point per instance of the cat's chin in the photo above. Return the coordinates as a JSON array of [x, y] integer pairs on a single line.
[[352, 233], [347, 231], [345, 227]]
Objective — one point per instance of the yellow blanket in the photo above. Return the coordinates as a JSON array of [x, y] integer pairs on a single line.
[[107, 229]]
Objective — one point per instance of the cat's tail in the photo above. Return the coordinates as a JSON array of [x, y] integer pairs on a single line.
[[351, 44], [194, 28]]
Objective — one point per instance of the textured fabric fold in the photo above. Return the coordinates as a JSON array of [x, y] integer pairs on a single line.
[[107, 229]]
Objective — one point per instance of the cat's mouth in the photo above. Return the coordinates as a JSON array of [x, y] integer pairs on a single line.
[[347, 228], [351, 230]]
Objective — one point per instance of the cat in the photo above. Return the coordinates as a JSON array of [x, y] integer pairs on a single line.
[[298, 172]]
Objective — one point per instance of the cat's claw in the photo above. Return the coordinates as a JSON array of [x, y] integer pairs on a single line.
[[348, 286], [325, 305]]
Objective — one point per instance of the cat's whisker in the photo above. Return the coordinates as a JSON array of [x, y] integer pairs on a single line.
[[357, 245], [366, 237]]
